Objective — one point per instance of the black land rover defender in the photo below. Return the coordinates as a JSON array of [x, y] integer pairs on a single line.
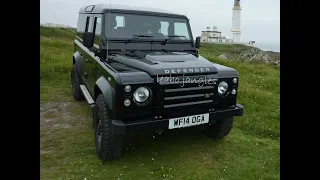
[[139, 70]]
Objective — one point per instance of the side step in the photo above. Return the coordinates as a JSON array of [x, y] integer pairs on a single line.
[[87, 95]]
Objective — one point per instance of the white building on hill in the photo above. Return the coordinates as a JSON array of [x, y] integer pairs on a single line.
[[213, 36]]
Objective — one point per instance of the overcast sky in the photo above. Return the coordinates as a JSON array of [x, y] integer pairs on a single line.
[[260, 19]]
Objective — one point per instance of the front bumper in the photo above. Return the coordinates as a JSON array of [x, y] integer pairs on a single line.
[[120, 128]]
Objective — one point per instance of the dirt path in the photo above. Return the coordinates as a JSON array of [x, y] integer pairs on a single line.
[[58, 116], [50, 112]]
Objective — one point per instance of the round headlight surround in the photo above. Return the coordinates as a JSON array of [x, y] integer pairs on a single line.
[[144, 90], [223, 88]]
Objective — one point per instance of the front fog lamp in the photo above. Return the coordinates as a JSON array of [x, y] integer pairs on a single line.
[[127, 102], [141, 94], [223, 87], [233, 91]]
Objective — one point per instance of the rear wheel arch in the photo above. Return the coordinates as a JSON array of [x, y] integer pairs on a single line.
[[77, 60], [75, 83]]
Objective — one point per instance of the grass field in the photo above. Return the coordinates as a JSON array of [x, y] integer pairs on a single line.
[[67, 150]]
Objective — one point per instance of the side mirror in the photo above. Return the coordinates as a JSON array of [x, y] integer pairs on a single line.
[[88, 39], [198, 42]]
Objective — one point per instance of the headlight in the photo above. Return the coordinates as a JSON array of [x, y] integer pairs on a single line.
[[141, 94], [223, 87]]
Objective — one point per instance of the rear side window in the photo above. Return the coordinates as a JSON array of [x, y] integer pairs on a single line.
[[97, 27], [89, 24], [81, 23]]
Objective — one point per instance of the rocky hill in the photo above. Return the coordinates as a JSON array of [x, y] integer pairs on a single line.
[[239, 52]]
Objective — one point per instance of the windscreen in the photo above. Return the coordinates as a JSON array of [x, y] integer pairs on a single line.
[[126, 26]]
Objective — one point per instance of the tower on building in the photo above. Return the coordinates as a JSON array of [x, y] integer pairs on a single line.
[[236, 14]]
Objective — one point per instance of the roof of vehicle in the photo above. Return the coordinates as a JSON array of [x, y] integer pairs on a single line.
[[100, 8]]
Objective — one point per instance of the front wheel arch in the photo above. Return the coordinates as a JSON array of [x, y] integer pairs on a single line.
[[103, 87]]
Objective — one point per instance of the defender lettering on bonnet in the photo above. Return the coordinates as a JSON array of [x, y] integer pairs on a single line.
[[186, 70]]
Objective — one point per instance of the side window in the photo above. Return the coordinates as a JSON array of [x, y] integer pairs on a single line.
[[164, 27], [89, 24], [97, 27], [81, 23], [181, 29]]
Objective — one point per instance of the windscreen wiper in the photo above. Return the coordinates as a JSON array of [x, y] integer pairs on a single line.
[[136, 37], [170, 37]]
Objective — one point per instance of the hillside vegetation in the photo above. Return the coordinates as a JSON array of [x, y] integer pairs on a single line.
[[67, 150], [239, 52]]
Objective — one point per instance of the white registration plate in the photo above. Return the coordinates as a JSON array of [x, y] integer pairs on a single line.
[[188, 121]]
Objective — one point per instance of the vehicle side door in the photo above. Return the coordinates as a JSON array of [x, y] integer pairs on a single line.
[[81, 26], [86, 56], [93, 60]]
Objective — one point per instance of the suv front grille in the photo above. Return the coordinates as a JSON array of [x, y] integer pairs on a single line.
[[179, 97], [187, 96]]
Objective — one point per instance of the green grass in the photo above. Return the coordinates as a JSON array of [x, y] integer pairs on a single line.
[[218, 49], [251, 151]]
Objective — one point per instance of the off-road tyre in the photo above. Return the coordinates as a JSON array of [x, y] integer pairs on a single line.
[[76, 82], [108, 146], [220, 129]]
